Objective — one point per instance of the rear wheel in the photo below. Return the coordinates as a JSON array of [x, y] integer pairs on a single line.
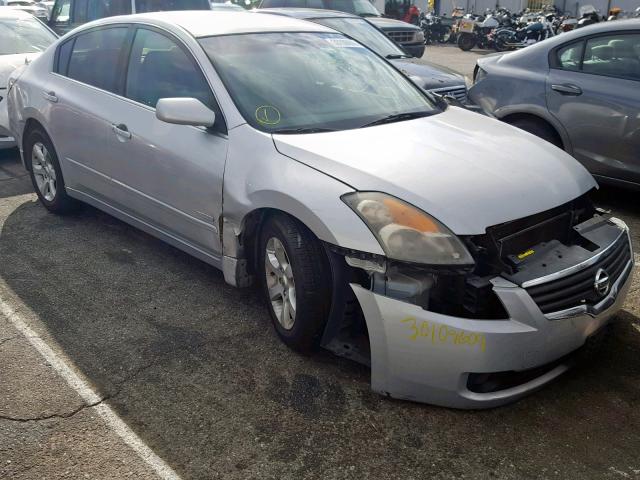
[[538, 128], [466, 41], [295, 281], [46, 174]]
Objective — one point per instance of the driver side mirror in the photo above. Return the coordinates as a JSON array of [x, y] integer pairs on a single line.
[[185, 111]]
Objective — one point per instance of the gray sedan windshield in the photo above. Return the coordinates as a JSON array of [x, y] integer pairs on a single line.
[[365, 33], [302, 82], [24, 35]]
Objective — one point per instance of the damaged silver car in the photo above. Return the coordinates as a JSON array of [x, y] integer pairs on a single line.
[[464, 273]]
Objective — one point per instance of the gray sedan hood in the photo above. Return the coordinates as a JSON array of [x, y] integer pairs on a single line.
[[467, 171]]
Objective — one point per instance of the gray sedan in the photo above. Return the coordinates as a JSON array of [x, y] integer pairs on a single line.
[[580, 91]]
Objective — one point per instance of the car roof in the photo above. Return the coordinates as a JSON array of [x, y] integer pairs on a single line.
[[13, 12], [202, 23], [306, 13]]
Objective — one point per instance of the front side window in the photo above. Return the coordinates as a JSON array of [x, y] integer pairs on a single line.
[[143, 6], [159, 68], [570, 56], [23, 35], [290, 81], [95, 57], [365, 33], [615, 55]]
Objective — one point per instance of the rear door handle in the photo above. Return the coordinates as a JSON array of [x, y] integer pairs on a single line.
[[121, 130], [51, 96], [567, 89]]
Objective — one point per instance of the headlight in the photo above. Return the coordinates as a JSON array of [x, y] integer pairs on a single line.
[[419, 36], [406, 233]]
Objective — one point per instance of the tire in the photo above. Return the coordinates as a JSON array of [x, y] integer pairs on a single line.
[[539, 129], [445, 35], [304, 264], [45, 172], [466, 42]]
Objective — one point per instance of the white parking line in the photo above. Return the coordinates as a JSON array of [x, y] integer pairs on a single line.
[[90, 397]]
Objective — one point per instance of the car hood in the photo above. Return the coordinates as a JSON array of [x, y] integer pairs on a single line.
[[391, 24], [8, 63], [468, 171], [428, 75]]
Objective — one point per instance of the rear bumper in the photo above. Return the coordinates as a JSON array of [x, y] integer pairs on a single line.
[[427, 357]]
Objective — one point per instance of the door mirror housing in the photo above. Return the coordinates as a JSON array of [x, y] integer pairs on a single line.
[[185, 111]]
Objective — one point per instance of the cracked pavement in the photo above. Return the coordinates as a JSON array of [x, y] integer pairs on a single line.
[[194, 369]]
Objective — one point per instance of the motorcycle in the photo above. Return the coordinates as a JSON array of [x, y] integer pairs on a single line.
[[472, 32], [434, 30], [511, 38]]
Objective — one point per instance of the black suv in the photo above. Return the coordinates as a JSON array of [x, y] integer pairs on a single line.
[[409, 36], [68, 14]]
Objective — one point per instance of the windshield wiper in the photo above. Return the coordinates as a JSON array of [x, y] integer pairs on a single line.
[[395, 56], [302, 130], [397, 117]]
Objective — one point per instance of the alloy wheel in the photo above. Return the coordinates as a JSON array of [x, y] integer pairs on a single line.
[[280, 283], [43, 171]]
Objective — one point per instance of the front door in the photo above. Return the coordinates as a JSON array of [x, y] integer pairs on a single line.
[[169, 176], [594, 90]]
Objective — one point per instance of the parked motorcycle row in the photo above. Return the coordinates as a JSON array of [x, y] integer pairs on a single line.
[[503, 30]]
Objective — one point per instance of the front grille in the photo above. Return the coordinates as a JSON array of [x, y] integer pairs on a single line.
[[459, 93], [401, 36], [578, 288]]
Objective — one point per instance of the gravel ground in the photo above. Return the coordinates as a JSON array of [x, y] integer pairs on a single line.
[[194, 369]]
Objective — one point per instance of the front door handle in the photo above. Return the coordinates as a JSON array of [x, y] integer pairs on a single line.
[[121, 130], [51, 96], [567, 89]]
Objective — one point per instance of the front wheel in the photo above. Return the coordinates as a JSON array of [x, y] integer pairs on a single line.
[[294, 273], [466, 41]]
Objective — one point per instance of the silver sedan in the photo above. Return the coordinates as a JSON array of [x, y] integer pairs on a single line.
[[378, 222], [579, 91]]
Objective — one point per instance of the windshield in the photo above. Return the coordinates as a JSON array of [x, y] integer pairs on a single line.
[[365, 33], [24, 35], [282, 82]]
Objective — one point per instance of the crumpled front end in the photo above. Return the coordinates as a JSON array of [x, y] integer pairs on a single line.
[[542, 288]]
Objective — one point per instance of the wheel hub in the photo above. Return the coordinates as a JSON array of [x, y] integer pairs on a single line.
[[43, 171], [280, 283]]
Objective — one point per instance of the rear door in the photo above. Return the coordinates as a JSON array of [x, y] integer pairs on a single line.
[[593, 88], [86, 76]]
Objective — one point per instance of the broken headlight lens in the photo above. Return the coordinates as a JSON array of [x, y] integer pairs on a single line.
[[407, 233]]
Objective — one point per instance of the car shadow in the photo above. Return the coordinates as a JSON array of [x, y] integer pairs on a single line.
[[194, 367]]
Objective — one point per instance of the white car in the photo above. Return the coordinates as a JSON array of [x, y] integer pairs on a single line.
[[22, 38], [36, 9], [457, 256]]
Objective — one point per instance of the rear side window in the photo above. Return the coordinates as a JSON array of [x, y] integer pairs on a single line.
[[570, 56], [64, 54], [95, 57], [61, 11], [615, 55], [143, 6]]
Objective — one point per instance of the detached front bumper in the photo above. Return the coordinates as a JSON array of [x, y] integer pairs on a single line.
[[429, 357]]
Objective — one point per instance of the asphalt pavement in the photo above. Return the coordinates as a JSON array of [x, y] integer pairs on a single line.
[[122, 357]]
